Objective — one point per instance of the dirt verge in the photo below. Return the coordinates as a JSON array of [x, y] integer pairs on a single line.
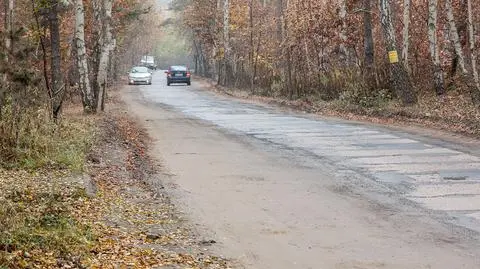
[[139, 225]]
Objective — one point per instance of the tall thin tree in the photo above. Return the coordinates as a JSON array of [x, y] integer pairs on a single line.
[[8, 27], [88, 98], [343, 32], [226, 39], [368, 43], [434, 46], [406, 32], [455, 37], [475, 91], [57, 85], [400, 78]]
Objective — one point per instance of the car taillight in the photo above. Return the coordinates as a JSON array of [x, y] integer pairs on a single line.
[[188, 74], [169, 74]]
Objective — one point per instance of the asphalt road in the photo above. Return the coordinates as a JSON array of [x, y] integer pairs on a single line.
[[287, 190]]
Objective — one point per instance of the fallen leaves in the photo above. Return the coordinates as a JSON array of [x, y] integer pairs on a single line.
[[124, 224]]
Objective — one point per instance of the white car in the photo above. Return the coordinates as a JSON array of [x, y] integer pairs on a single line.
[[140, 75]]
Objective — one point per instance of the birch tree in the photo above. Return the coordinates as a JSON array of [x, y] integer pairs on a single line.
[[104, 46], [8, 27], [82, 64], [400, 79], [368, 40], [475, 91], [226, 38], [406, 33], [9, 7], [434, 47], [454, 37], [343, 32], [58, 88]]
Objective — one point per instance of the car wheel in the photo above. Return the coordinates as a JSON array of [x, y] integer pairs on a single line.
[[188, 83]]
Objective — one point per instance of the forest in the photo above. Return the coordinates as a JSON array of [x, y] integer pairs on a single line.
[[415, 59], [54, 52]]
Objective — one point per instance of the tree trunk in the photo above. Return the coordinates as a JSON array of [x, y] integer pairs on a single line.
[[343, 32], [455, 38], [400, 78], [9, 8], [214, 59], [279, 20], [406, 32], [279, 67], [58, 89], [287, 55], [368, 34], [251, 55], [226, 39], [88, 99], [97, 40], [368, 42], [106, 46], [474, 91], [434, 47]]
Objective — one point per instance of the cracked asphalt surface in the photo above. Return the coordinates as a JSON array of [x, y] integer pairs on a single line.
[[281, 189]]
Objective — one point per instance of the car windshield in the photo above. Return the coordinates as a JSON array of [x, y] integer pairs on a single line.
[[178, 68], [139, 69]]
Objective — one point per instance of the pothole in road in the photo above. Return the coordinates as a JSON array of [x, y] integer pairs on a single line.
[[455, 178]]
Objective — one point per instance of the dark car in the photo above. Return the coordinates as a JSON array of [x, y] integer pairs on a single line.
[[178, 74]]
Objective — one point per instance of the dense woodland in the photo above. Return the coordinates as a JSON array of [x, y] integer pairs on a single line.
[[338, 49], [54, 51]]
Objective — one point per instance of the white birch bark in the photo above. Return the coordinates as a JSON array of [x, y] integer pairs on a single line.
[[434, 47], [473, 47], [401, 82], [474, 91], [82, 64], [9, 7], [106, 48], [226, 38], [226, 26], [454, 36], [343, 32], [10, 4], [406, 33]]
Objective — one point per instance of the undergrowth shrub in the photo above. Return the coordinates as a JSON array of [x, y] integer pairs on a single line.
[[349, 88], [29, 138]]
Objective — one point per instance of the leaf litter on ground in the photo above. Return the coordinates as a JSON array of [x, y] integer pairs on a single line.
[[49, 218]]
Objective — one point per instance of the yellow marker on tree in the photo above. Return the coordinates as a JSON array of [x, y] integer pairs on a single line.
[[393, 56]]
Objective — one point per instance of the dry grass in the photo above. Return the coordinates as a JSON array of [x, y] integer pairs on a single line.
[[39, 201], [32, 140]]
